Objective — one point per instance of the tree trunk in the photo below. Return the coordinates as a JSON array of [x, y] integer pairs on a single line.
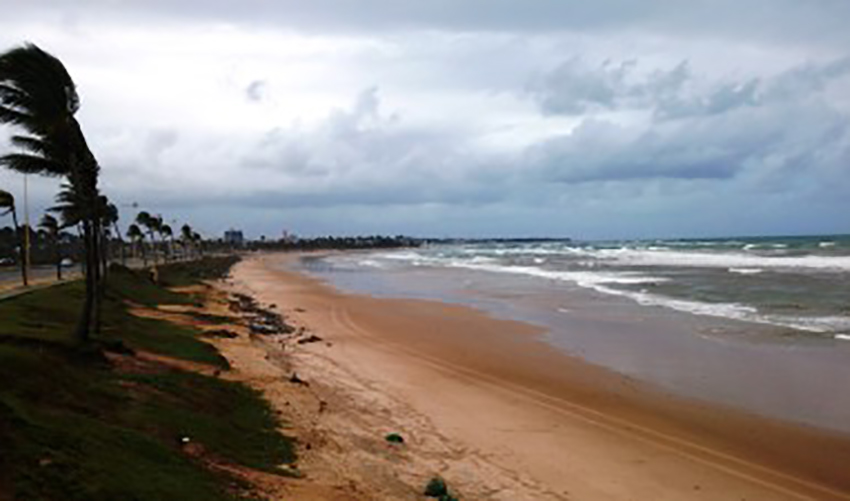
[[104, 243], [84, 322], [153, 247], [97, 261], [121, 243], [58, 257], [23, 260]]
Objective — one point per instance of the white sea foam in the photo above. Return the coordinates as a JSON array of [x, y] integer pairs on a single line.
[[600, 281], [826, 244], [371, 263], [723, 260], [746, 271], [842, 337], [603, 280], [647, 256], [589, 279]]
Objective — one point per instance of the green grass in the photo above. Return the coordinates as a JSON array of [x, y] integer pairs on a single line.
[[159, 337], [137, 286], [192, 272], [47, 315], [230, 419], [50, 315], [72, 428]]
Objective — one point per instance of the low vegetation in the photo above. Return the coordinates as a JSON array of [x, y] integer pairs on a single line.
[[101, 422], [437, 488]]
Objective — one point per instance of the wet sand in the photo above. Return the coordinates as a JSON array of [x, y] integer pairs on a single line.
[[502, 415]]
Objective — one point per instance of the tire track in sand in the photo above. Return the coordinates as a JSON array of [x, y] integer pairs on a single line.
[[764, 476]]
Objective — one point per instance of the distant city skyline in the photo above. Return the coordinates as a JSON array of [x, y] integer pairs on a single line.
[[615, 119]]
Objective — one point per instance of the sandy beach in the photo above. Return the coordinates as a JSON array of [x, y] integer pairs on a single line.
[[485, 404]]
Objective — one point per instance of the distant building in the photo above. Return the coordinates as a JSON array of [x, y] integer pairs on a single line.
[[234, 238]]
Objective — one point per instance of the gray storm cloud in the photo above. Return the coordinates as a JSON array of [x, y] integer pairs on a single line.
[[436, 117]]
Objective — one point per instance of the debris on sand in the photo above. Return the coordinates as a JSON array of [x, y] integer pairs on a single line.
[[394, 438], [261, 321], [222, 333], [294, 379]]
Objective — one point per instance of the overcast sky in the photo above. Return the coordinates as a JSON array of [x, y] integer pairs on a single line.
[[604, 119]]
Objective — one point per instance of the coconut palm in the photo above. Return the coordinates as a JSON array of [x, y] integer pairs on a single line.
[[71, 214], [103, 226], [186, 239], [50, 225], [7, 206], [148, 222], [137, 237], [198, 242], [111, 217], [156, 228], [165, 231], [38, 95]]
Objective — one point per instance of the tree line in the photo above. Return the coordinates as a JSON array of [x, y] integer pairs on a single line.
[[39, 100], [337, 243]]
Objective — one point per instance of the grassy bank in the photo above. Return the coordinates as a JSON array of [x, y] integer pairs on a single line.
[[105, 423]]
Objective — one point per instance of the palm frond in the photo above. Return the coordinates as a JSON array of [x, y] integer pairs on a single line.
[[32, 164], [7, 202], [39, 80]]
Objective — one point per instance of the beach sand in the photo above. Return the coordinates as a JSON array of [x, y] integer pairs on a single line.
[[499, 414]]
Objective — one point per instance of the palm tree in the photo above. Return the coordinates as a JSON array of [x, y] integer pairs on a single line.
[[7, 206], [198, 242], [156, 227], [103, 225], [168, 233], [70, 213], [186, 239], [144, 219], [50, 225], [110, 221], [134, 233], [38, 95]]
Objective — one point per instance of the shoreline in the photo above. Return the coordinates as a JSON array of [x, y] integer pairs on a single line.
[[521, 408]]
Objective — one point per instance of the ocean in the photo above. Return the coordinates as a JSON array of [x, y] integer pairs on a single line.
[[802, 283], [757, 323]]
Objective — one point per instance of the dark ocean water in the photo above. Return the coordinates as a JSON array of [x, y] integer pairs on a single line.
[[802, 283]]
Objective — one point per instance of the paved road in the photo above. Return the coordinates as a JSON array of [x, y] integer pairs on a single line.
[[39, 277], [12, 275]]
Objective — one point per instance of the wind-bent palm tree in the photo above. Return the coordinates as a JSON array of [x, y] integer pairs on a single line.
[[198, 242], [134, 233], [103, 226], [38, 95], [111, 218], [144, 219], [165, 231], [186, 239], [7, 206], [156, 227], [50, 225], [70, 213]]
